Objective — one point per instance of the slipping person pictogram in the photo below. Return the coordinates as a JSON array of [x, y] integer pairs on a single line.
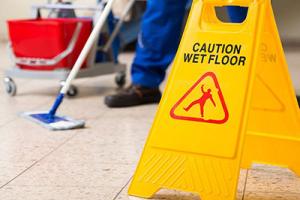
[[209, 98], [202, 101]]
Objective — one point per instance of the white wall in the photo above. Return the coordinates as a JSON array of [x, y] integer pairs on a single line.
[[14, 9], [287, 13]]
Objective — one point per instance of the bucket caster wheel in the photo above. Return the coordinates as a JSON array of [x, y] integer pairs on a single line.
[[72, 92], [10, 86], [120, 79]]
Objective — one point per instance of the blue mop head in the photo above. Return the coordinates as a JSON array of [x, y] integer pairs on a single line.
[[51, 121]]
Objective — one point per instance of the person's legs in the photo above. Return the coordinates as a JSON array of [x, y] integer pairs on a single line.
[[237, 14], [158, 41], [157, 45], [192, 105]]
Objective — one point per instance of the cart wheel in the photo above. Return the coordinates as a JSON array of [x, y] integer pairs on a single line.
[[73, 91], [10, 86], [120, 79]]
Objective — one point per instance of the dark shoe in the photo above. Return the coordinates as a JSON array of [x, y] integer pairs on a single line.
[[133, 96], [298, 98]]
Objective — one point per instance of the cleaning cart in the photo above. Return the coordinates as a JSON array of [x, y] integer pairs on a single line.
[[47, 48]]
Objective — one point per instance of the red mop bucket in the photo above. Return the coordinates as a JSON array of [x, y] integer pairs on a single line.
[[48, 44]]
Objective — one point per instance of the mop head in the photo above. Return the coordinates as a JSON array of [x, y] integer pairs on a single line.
[[53, 123]]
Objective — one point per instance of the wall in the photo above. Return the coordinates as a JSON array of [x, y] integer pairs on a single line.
[[287, 13], [14, 9]]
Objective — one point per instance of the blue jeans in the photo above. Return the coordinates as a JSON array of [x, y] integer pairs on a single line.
[[159, 39]]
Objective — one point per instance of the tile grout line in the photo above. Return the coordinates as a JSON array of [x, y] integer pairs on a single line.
[[45, 156], [121, 190], [36, 162], [245, 184]]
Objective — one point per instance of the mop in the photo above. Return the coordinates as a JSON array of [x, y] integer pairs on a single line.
[[49, 119]]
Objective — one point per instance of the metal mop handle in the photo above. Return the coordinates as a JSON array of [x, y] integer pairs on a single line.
[[94, 35]]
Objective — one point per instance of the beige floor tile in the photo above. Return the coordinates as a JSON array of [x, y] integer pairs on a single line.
[[17, 144], [10, 170], [20, 148], [272, 196], [90, 146], [84, 173], [57, 193], [268, 179]]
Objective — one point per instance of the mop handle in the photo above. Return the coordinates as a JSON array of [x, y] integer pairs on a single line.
[[88, 45]]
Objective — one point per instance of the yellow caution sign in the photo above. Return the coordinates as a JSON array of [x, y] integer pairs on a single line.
[[229, 102]]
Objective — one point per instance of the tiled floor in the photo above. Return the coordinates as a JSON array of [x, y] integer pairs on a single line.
[[96, 163]]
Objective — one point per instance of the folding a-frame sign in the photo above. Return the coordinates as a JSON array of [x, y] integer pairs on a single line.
[[229, 102]]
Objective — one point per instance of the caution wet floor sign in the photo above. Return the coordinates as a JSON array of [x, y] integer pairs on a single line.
[[228, 103]]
